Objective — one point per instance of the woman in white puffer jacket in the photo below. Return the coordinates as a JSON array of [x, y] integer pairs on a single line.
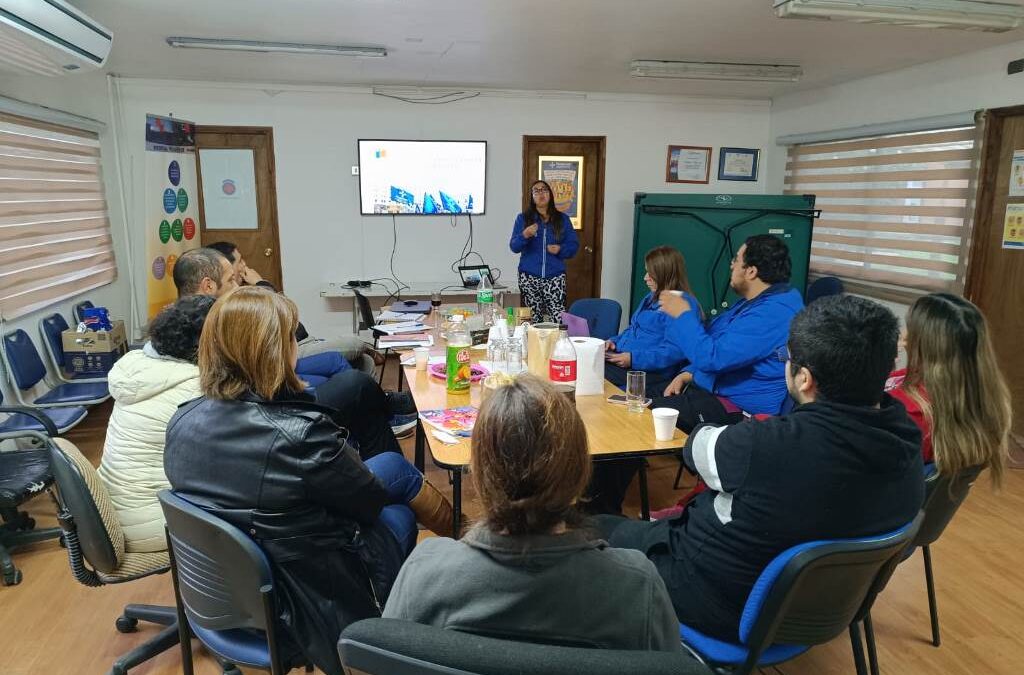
[[148, 385]]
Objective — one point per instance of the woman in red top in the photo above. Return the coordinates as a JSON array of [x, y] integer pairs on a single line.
[[952, 387]]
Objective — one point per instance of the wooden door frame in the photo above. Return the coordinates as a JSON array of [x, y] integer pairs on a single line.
[[269, 133], [602, 143], [982, 233]]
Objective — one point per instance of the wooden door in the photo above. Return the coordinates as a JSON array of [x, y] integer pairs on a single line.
[[230, 179], [995, 277], [583, 272]]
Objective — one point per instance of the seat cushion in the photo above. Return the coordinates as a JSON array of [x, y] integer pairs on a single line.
[[23, 474], [243, 646], [719, 652], [75, 393], [63, 419], [136, 565]]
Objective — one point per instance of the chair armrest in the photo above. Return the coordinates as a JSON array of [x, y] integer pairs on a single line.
[[51, 428]]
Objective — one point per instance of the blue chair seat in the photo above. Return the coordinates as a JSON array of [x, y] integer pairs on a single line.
[[63, 419], [718, 651], [74, 393], [243, 646]]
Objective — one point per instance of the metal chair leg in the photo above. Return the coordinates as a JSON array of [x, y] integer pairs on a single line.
[[933, 608], [869, 637], [679, 476], [858, 649]]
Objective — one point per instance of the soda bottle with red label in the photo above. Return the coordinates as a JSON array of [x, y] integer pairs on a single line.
[[562, 364]]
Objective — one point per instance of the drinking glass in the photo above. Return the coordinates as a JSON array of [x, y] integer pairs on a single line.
[[498, 356], [636, 387], [514, 356]]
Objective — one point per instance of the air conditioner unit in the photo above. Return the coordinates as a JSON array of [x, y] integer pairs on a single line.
[[50, 37]]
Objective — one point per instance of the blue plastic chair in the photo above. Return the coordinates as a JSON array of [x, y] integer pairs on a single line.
[[79, 310], [25, 370], [50, 329], [806, 596], [23, 420], [223, 588], [823, 287], [602, 314]]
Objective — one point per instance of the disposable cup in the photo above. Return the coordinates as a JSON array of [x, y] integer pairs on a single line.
[[664, 423], [422, 355]]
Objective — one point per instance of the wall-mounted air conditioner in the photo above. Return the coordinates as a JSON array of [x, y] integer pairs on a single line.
[[50, 37]]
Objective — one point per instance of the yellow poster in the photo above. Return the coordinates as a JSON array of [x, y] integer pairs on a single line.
[[565, 176], [1013, 226]]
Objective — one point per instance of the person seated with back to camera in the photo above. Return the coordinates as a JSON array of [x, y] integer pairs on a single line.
[[359, 403], [642, 345], [846, 463], [531, 569], [256, 451], [952, 387]]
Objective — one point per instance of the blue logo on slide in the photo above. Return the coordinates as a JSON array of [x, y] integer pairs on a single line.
[[170, 200], [401, 196], [174, 172]]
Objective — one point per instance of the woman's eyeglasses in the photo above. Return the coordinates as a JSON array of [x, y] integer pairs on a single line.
[[539, 191]]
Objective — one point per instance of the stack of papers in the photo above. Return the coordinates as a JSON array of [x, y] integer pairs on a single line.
[[417, 340], [401, 327], [387, 316]]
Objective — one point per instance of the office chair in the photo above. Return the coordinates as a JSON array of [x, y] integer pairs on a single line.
[[96, 549], [367, 322], [823, 287], [393, 647], [21, 419], [24, 473], [602, 314], [25, 370], [806, 596]]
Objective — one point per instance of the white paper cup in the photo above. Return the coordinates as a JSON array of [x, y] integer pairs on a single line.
[[665, 423], [422, 355]]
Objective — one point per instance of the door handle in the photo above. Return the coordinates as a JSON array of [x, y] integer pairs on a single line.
[[588, 249], [268, 252]]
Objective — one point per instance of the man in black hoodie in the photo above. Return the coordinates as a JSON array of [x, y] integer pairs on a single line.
[[845, 463]]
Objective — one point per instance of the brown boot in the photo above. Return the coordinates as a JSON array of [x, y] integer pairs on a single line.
[[433, 510]]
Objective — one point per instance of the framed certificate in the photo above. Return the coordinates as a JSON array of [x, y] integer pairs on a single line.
[[688, 164], [738, 164]]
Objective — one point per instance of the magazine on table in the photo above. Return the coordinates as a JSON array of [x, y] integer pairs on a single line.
[[457, 421]]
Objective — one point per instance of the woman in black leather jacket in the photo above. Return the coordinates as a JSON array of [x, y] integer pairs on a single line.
[[268, 460]]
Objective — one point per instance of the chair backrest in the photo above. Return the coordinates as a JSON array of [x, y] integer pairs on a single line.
[[823, 287], [577, 326], [223, 576], [79, 310], [811, 593], [365, 312], [51, 327], [602, 314], [84, 497], [23, 360], [943, 496], [394, 647]]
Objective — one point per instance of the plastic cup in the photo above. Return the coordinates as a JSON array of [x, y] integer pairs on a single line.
[[422, 355], [664, 423], [636, 389]]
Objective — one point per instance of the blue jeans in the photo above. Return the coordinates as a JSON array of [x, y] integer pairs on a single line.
[[403, 482]]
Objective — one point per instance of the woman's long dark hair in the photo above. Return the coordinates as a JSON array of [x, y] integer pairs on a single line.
[[532, 215]]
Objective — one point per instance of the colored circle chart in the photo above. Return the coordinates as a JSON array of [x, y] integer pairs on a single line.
[[182, 200], [170, 200], [174, 172], [159, 268], [176, 229], [165, 231], [171, 259], [190, 229]]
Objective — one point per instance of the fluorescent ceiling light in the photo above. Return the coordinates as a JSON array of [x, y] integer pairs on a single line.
[[994, 17], [287, 47], [700, 70]]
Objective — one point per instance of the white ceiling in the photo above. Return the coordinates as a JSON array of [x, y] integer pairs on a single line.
[[577, 45]]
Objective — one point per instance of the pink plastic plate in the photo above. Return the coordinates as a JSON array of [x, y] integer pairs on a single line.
[[440, 370]]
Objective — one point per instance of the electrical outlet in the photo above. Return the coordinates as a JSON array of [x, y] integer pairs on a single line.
[[355, 170]]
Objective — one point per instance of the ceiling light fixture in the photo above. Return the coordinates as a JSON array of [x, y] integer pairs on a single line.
[[992, 17], [283, 47], [702, 70]]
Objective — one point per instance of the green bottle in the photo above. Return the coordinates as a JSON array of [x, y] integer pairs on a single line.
[[458, 371]]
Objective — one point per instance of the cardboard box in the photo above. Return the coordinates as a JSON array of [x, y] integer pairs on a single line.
[[93, 352], [99, 363]]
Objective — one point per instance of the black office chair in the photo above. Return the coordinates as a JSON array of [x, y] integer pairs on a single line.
[[24, 474], [223, 588], [824, 287], [96, 549], [393, 647]]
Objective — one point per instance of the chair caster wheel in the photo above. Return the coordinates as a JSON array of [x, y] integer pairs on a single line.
[[126, 624], [12, 578]]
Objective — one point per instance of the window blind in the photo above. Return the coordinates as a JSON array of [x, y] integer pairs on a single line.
[[894, 207], [54, 230]]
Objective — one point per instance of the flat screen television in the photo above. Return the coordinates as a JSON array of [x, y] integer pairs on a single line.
[[422, 177]]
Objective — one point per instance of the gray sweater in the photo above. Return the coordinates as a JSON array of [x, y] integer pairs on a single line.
[[569, 588]]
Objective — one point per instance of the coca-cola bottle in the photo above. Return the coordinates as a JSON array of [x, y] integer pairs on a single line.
[[562, 364]]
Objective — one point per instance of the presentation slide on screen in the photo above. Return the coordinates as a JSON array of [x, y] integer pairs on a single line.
[[422, 177]]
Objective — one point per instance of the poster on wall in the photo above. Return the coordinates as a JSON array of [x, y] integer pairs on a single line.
[[1013, 226], [565, 176], [172, 211], [229, 188], [1017, 174]]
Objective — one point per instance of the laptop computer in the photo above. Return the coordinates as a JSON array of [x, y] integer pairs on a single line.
[[471, 275]]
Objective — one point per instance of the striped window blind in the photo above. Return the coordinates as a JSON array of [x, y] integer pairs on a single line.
[[894, 208], [54, 231]]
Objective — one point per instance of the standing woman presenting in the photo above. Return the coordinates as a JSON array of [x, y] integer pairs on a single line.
[[544, 237]]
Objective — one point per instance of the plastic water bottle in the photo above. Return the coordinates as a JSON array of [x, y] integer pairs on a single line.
[[458, 371], [562, 365], [485, 300]]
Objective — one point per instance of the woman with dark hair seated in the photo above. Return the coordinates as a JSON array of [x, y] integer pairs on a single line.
[[529, 570], [259, 453]]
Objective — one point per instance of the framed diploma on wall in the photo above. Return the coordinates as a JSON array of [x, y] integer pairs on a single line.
[[688, 164], [738, 163]]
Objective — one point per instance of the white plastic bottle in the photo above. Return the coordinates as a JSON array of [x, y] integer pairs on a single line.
[[562, 364]]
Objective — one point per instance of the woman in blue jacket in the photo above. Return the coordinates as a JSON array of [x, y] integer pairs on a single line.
[[544, 237], [642, 346]]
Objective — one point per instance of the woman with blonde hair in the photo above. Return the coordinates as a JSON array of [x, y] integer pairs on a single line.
[[952, 387], [530, 570], [257, 452]]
